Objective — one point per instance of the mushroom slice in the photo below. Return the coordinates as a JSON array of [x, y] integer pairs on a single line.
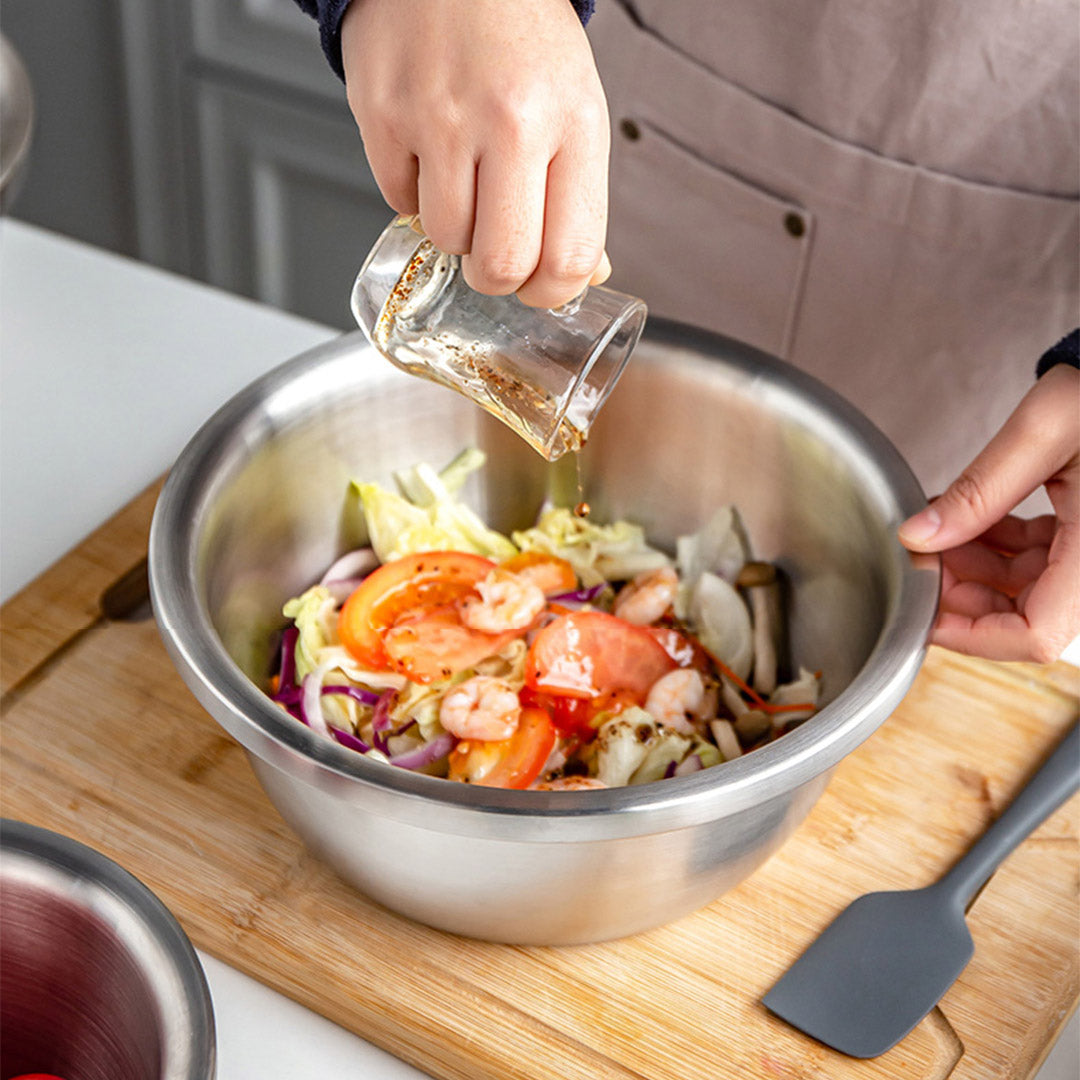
[[806, 689], [727, 742], [752, 726], [762, 585]]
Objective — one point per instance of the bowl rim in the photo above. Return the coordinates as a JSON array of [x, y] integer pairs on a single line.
[[270, 734], [39, 857]]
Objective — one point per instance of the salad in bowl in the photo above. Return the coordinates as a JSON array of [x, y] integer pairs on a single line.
[[568, 655]]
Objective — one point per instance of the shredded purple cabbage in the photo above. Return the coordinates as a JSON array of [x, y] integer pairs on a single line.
[[346, 738], [288, 693], [292, 697], [380, 721], [287, 666], [578, 596], [292, 708], [288, 696]]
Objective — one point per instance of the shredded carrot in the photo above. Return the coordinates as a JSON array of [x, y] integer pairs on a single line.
[[754, 696], [275, 683], [559, 609], [797, 707]]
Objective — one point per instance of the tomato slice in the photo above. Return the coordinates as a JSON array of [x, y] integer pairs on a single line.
[[510, 763], [587, 653], [406, 593], [685, 651], [550, 573], [570, 715], [613, 702], [575, 717]]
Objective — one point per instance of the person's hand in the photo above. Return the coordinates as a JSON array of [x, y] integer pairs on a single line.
[[487, 118], [1011, 587]]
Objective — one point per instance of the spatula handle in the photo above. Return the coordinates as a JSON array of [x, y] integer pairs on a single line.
[[1058, 779]]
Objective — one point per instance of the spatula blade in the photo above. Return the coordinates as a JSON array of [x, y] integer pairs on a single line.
[[876, 971]]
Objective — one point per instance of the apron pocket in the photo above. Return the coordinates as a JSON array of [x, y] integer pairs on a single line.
[[733, 257]]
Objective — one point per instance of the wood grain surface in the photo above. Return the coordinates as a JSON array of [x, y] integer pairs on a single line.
[[66, 599], [101, 741]]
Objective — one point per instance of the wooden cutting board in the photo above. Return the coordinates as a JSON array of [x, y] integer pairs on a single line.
[[101, 741]]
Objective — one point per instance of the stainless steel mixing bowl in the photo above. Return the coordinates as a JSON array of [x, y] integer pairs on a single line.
[[258, 505], [97, 979]]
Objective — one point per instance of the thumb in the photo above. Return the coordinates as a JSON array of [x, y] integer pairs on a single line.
[[602, 272], [1016, 462], [950, 520]]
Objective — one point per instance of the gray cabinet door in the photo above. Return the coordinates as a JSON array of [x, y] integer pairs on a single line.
[[289, 207], [267, 39]]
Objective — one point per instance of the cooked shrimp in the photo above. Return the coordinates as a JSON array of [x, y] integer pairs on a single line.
[[571, 783], [483, 708], [677, 699], [648, 596], [507, 602]]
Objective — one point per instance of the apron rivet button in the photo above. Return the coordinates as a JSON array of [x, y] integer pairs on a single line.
[[630, 130], [794, 224]]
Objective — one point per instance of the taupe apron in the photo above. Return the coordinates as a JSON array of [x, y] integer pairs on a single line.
[[883, 194]]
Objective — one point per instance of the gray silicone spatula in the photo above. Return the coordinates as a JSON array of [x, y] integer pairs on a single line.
[[888, 958]]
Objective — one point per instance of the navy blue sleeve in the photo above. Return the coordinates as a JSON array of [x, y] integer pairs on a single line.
[[330, 12], [1066, 351]]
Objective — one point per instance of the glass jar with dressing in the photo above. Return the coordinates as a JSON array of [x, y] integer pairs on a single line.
[[544, 373]]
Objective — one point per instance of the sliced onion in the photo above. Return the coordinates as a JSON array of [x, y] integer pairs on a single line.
[[310, 704], [353, 564], [357, 693], [691, 765], [343, 588], [426, 754]]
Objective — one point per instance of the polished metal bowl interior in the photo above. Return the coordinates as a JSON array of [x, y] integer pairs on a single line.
[[259, 504], [16, 121], [97, 979]]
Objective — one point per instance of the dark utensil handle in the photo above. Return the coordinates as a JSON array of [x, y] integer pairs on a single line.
[[1055, 782], [129, 594]]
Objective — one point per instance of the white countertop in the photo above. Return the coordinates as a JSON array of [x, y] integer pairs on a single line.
[[108, 367], [112, 365]]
